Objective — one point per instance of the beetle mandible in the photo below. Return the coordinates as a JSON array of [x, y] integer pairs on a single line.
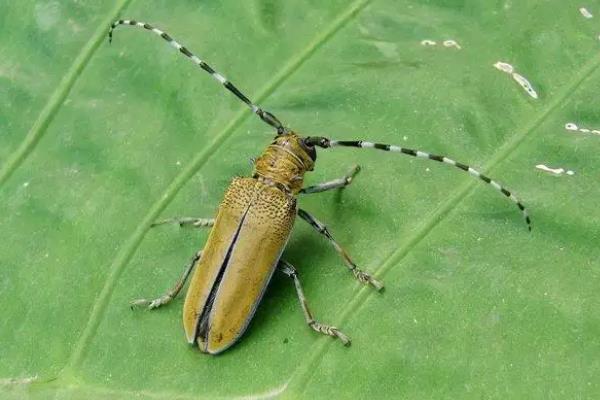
[[253, 224]]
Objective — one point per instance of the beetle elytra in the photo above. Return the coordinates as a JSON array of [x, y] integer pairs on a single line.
[[253, 224]]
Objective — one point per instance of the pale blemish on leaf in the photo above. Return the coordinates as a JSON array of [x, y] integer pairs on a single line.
[[47, 14], [555, 171], [585, 12], [571, 126], [452, 43], [268, 13], [388, 49], [18, 381], [520, 79], [445, 43]]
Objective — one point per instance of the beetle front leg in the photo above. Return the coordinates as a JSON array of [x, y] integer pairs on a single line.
[[360, 275], [333, 184], [187, 221], [290, 271], [173, 292]]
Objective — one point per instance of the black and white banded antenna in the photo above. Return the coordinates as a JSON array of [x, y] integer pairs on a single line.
[[327, 143], [262, 114]]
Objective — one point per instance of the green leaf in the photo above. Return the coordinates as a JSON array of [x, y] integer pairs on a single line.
[[98, 141]]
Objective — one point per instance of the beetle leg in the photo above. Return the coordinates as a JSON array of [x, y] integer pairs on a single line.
[[290, 271], [333, 184], [360, 275], [187, 221], [173, 292]]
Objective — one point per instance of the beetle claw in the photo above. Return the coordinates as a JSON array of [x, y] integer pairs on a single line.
[[345, 339], [367, 279], [376, 284]]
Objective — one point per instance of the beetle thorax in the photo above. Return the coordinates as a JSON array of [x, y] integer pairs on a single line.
[[284, 163]]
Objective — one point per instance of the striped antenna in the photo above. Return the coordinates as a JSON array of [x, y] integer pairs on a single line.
[[263, 115], [326, 143]]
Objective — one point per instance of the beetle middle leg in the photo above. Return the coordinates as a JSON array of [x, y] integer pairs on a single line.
[[333, 184], [360, 275], [171, 293], [290, 271]]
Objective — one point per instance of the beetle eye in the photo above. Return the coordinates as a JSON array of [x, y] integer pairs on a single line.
[[310, 149]]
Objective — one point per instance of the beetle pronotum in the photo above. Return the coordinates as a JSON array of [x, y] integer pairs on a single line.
[[253, 224]]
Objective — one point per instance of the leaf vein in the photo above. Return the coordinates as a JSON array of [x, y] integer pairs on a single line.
[[58, 97]]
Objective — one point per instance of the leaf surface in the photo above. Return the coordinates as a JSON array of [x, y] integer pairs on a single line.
[[100, 141]]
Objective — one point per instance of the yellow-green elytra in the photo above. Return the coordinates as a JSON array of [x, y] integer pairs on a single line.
[[253, 224]]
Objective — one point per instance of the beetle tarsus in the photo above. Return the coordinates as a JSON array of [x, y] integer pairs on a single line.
[[152, 304], [159, 302], [331, 331], [367, 279]]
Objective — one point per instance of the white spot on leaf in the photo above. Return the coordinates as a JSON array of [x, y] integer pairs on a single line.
[[520, 79], [525, 85], [586, 14], [504, 67], [554, 171], [571, 126], [445, 43], [452, 43]]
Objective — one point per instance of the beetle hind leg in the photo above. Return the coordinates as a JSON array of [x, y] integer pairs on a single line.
[[290, 271], [171, 293]]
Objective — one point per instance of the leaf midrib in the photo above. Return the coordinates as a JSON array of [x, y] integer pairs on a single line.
[[57, 98]]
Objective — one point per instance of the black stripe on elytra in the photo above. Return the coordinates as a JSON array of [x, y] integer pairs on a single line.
[[202, 330]]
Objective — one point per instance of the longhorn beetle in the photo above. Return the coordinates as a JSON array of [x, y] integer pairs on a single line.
[[253, 224]]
